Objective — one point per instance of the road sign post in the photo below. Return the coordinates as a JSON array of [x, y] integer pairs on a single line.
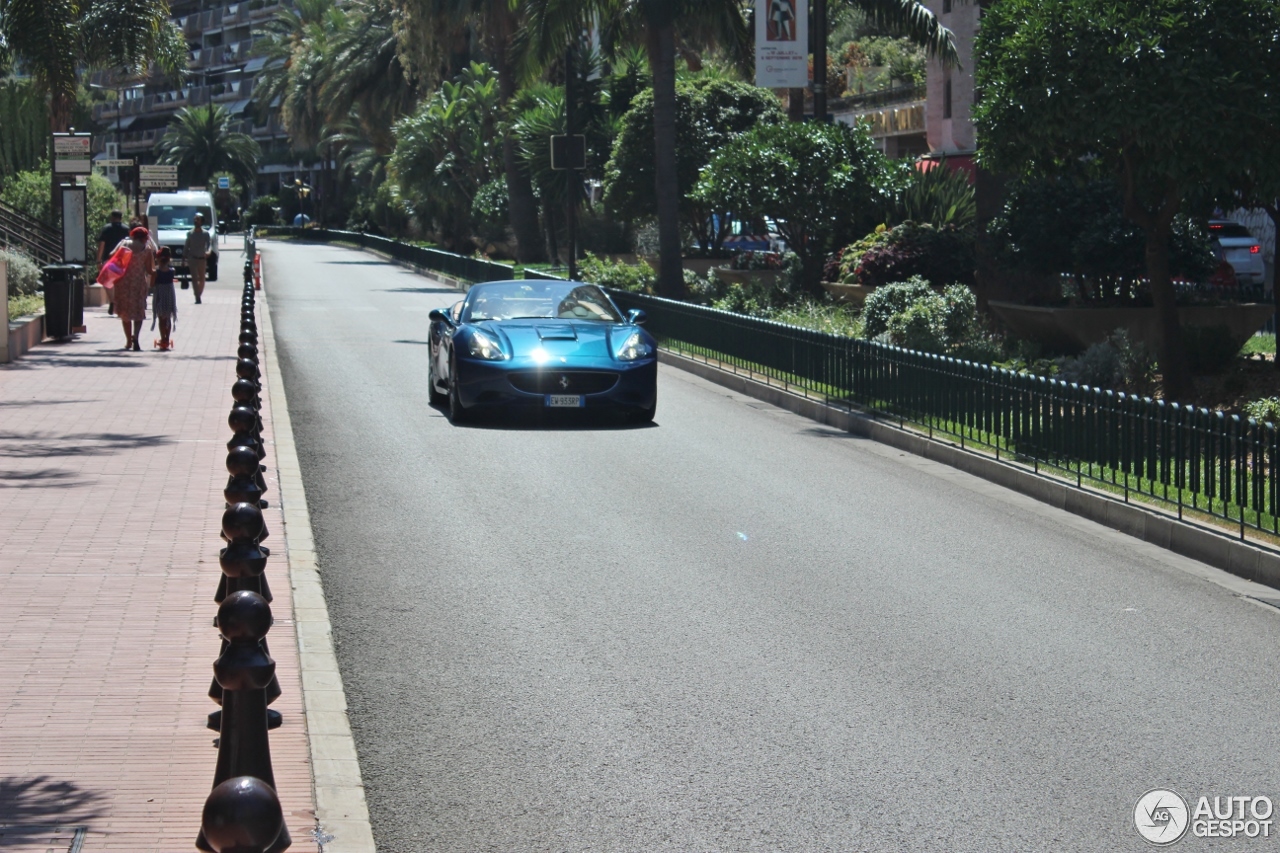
[[158, 177]]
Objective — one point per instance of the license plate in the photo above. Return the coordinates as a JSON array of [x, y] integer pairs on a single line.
[[565, 401]]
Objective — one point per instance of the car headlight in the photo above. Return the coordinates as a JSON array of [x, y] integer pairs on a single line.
[[635, 347], [483, 346]]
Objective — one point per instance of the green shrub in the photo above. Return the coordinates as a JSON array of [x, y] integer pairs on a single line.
[[921, 325], [1266, 410], [24, 274], [1210, 349], [22, 306], [639, 278], [939, 255], [960, 314], [489, 211], [262, 211], [1118, 363], [885, 302]]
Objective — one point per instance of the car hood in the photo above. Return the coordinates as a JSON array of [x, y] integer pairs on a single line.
[[558, 339]]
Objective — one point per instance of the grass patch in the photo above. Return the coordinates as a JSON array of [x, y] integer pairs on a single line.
[[1260, 344], [21, 306]]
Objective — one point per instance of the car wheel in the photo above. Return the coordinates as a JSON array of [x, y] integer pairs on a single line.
[[644, 416], [212, 273], [457, 412], [434, 396]]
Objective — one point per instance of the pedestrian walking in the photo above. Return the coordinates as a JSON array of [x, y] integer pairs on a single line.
[[131, 288], [112, 235], [196, 253], [164, 302]]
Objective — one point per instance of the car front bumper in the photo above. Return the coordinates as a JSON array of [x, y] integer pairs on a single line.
[[493, 384]]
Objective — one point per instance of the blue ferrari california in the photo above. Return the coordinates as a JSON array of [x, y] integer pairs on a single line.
[[542, 345]]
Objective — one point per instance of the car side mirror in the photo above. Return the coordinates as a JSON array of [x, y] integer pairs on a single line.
[[636, 317], [439, 316]]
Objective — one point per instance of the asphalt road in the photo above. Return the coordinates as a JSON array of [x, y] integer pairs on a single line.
[[735, 630]]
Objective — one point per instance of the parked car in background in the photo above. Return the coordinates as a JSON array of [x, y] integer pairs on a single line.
[[1233, 243]]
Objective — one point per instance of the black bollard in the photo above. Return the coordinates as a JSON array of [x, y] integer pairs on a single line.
[[248, 336], [248, 273], [246, 484], [247, 369], [242, 815], [243, 671], [243, 562], [244, 424], [248, 351], [245, 391]]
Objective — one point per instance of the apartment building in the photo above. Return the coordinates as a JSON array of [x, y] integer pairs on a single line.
[[223, 69]]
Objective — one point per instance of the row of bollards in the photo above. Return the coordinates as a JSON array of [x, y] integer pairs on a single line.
[[243, 813]]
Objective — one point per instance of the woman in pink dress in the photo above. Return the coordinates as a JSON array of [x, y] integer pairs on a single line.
[[131, 288]]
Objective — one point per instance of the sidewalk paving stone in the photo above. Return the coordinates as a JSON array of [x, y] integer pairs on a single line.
[[111, 477]]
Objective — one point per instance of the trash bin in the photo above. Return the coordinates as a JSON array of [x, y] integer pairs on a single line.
[[59, 299]]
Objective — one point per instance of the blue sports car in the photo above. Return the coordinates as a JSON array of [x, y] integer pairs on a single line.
[[542, 345]]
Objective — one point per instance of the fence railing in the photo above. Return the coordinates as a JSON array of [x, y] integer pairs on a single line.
[[454, 266], [1194, 459], [32, 237]]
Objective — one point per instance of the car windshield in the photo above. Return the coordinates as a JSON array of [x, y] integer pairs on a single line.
[[1229, 229], [539, 300], [177, 215]]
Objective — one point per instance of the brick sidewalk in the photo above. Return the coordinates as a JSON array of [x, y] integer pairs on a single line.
[[111, 477]]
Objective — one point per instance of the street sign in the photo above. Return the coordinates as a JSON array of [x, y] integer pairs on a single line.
[[158, 177], [224, 183], [107, 164], [568, 152], [71, 153]]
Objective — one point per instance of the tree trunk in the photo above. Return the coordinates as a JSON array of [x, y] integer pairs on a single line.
[[1157, 225], [522, 205], [795, 104], [1173, 357], [661, 48]]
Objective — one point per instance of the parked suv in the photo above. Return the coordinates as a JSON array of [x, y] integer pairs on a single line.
[[1233, 243], [172, 215]]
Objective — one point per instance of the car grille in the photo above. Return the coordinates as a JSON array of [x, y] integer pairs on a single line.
[[563, 381]]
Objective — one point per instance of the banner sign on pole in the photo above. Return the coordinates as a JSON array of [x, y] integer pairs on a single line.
[[74, 211], [782, 44], [71, 153]]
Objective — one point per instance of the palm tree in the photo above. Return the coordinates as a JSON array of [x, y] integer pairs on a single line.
[[55, 40], [287, 44], [437, 29], [200, 142], [552, 23], [368, 79]]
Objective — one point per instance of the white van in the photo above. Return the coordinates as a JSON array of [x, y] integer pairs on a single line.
[[172, 215]]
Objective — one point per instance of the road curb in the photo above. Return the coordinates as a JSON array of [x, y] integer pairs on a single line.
[[341, 810], [1148, 524]]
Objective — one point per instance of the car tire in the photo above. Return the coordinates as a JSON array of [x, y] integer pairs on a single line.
[[643, 416], [457, 412], [434, 396], [211, 274]]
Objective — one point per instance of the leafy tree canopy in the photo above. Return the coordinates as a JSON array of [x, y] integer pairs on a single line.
[[1175, 100], [709, 114], [820, 183]]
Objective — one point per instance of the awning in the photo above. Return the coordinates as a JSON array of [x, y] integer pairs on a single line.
[[237, 107], [255, 65]]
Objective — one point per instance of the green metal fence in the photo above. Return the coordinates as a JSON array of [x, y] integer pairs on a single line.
[[454, 266], [1225, 466]]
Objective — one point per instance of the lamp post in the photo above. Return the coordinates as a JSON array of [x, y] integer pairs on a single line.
[[120, 90]]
